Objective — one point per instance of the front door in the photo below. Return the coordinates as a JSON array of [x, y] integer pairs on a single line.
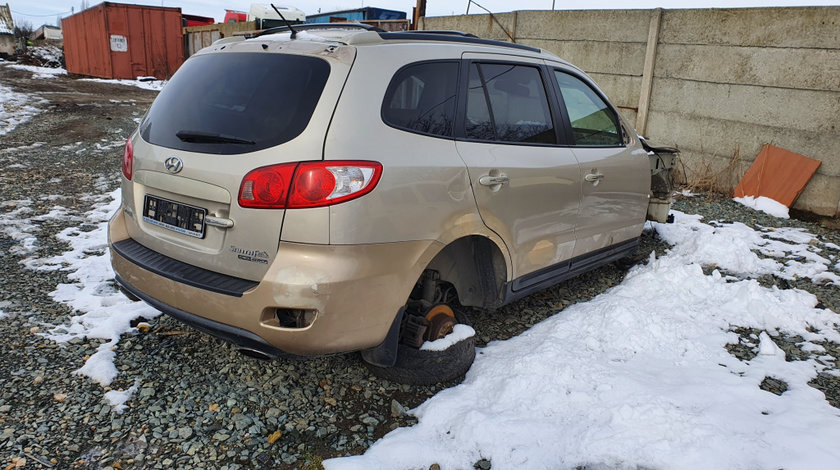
[[615, 176]]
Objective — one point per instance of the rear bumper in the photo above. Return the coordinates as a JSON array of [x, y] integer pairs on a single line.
[[355, 292], [231, 334]]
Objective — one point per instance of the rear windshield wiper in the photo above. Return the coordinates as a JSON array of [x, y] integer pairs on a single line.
[[197, 137]]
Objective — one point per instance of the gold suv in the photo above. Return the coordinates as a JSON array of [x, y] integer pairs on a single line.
[[334, 189]]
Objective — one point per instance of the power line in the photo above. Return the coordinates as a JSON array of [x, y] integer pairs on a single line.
[[49, 14]]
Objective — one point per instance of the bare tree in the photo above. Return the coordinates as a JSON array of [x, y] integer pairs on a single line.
[[24, 30]]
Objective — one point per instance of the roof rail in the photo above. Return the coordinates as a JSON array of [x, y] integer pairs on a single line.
[[311, 26], [451, 36], [441, 31]]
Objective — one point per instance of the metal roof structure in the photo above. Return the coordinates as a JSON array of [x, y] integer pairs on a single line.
[[7, 26]]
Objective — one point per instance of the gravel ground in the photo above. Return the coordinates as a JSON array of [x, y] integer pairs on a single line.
[[199, 403]]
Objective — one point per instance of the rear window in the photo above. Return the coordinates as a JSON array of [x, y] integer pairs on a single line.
[[236, 103], [421, 98]]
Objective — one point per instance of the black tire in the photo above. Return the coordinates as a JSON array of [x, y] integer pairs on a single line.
[[418, 367]]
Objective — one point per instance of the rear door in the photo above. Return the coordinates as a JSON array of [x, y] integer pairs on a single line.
[[526, 183], [615, 175]]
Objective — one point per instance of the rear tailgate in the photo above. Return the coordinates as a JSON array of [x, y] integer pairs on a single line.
[[222, 115]]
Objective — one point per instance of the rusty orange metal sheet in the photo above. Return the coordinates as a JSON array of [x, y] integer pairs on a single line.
[[114, 40], [778, 174]]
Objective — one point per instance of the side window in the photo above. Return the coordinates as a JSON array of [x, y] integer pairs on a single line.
[[593, 122], [421, 98], [508, 103]]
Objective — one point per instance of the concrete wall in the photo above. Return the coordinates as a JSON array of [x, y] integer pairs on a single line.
[[717, 83], [7, 44], [7, 28]]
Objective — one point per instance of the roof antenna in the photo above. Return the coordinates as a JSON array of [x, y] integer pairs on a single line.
[[288, 25]]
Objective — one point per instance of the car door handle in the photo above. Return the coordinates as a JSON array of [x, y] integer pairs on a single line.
[[488, 180], [593, 177]]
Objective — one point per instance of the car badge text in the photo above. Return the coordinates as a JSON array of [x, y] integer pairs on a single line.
[[173, 164]]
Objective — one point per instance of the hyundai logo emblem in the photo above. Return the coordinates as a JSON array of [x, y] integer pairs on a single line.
[[173, 164]]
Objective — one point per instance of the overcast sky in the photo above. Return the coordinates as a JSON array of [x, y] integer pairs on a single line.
[[38, 12]]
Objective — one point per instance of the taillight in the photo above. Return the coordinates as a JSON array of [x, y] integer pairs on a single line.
[[267, 187], [308, 184], [128, 160]]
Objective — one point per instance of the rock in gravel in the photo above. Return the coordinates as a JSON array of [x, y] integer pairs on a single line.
[[273, 437], [397, 409], [483, 464], [370, 421], [185, 432], [773, 385]]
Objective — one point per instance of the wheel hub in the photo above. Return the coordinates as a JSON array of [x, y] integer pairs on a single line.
[[441, 320]]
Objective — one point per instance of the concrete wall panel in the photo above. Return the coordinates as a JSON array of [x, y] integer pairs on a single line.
[[586, 25], [713, 136], [811, 69], [602, 57], [622, 90], [821, 196], [805, 110], [807, 27], [480, 25]]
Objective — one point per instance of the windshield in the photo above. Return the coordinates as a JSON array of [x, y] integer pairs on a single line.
[[233, 103]]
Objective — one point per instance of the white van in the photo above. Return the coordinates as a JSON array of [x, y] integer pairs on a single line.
[[266, 17]]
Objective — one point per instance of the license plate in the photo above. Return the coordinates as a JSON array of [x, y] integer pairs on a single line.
[[175, 216]]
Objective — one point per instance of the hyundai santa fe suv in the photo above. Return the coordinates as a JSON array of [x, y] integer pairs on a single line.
[[338, 188]]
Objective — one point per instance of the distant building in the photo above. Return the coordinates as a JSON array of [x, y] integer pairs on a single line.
[[7, 31], [266, 16], [48, 32], [358, 15]]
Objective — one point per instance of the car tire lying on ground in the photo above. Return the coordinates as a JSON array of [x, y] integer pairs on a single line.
[[427, 367]]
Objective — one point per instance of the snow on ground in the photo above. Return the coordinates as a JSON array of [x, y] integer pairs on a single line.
[[103, 311], [22, 148], [144, 83], [639, 377], [786, 252], [17, 108], [39, 72], [118, 398], [20, 227], [766, 205]]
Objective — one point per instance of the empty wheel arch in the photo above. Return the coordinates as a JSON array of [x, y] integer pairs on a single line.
[[476, 267]]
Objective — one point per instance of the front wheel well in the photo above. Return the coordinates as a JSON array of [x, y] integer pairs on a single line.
[[475, 266]]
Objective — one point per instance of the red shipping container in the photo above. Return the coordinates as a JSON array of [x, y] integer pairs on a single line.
[[115, 40]]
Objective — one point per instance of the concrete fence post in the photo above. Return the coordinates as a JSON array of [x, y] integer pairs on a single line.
[[515, 20], [647, 72]]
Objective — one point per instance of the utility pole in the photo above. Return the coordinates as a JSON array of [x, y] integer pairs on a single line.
[[419, 11]]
